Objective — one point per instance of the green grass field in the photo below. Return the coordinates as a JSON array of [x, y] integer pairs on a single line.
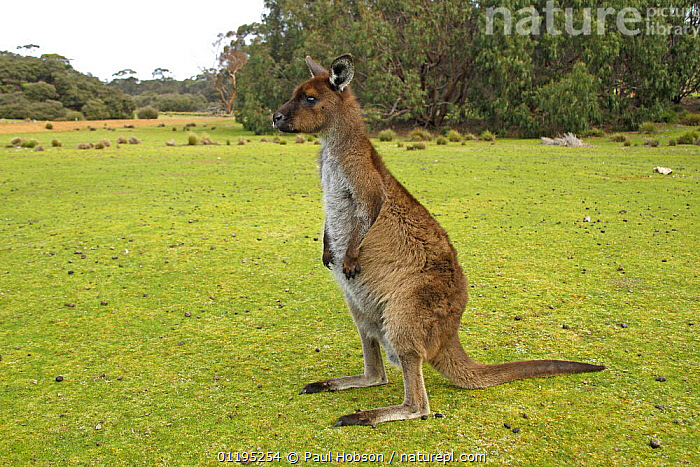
[[179, 292]]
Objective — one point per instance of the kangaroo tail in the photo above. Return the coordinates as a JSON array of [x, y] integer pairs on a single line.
[[456, 366]]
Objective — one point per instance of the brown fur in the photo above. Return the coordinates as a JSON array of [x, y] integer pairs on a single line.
[[399, 272]]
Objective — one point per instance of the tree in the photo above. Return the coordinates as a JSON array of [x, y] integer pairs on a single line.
[[159, 73], [231, 59], [126, 72]]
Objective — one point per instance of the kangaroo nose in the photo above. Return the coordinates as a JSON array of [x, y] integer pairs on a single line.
[[276, 118]]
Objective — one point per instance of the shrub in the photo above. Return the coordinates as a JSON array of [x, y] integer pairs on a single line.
[[668, 116], [399, 144], [419, 145], [241, 141], [690, 119], [420, 134], [486, 135], [309, 138], [85, 146], [387, 135], [671, 142], [170, 142], [647, 127], [28, 143], [454, 136], [618, 138], [49, 126], [651, 143], [254, 118], [134, 140], [174, 129], [99, 146], [16, 141], [300, 139], [147, 113], [205, 139], [469, 137], [627, 143], [56, 143], [283, 142], [441, 141], [228, 142], [121, 140], [105, 143], [38, 148], [74, 115], [687, 138], [191, 139], [592, 133], [96, 109]]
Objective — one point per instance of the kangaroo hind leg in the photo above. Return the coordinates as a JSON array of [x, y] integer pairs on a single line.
[[373, 375]]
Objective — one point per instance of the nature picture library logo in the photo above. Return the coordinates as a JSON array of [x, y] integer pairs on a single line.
[[585, 21]]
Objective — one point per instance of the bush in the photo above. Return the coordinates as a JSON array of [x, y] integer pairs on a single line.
[[668, 116], [147, 113], [387, 135], [56, 143], [85, 146], [283, 142], [651, 143], [256, 119], [420, 134], [38, 148], [627, 143], [121, 140], [441, 141], [671, 142], [618, 138], [486, 135], [454, 136], [74, 115], [49, 126], [687, 138], [205, 139], [28, 143], [191, 139], [310, 138], [299, 139], [95, 109], [170, 142], [469, 137], [134, 140], [419, 145], [690, 119], [647, 127], [593, 133], [105, 143], [99, 146], [241, 141], [16, 141]]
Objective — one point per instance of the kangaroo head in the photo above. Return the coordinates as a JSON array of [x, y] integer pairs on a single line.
[[319, 101]]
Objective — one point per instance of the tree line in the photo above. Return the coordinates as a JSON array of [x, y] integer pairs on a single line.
[[49, 88], [448, 63]]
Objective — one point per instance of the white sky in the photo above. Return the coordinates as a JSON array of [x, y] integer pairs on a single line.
[[102, 38]]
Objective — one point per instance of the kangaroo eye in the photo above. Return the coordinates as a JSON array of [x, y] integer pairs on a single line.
[[310, 100]]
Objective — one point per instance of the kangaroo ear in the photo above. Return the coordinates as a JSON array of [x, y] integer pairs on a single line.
[[342, 71], [314, 67]]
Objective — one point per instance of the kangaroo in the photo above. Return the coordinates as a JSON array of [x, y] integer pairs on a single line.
[[394, 263]]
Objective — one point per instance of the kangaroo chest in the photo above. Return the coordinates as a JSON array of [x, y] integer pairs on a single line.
[[340, 209]]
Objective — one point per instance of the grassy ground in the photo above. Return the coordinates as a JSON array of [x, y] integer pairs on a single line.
[[180, 294]]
